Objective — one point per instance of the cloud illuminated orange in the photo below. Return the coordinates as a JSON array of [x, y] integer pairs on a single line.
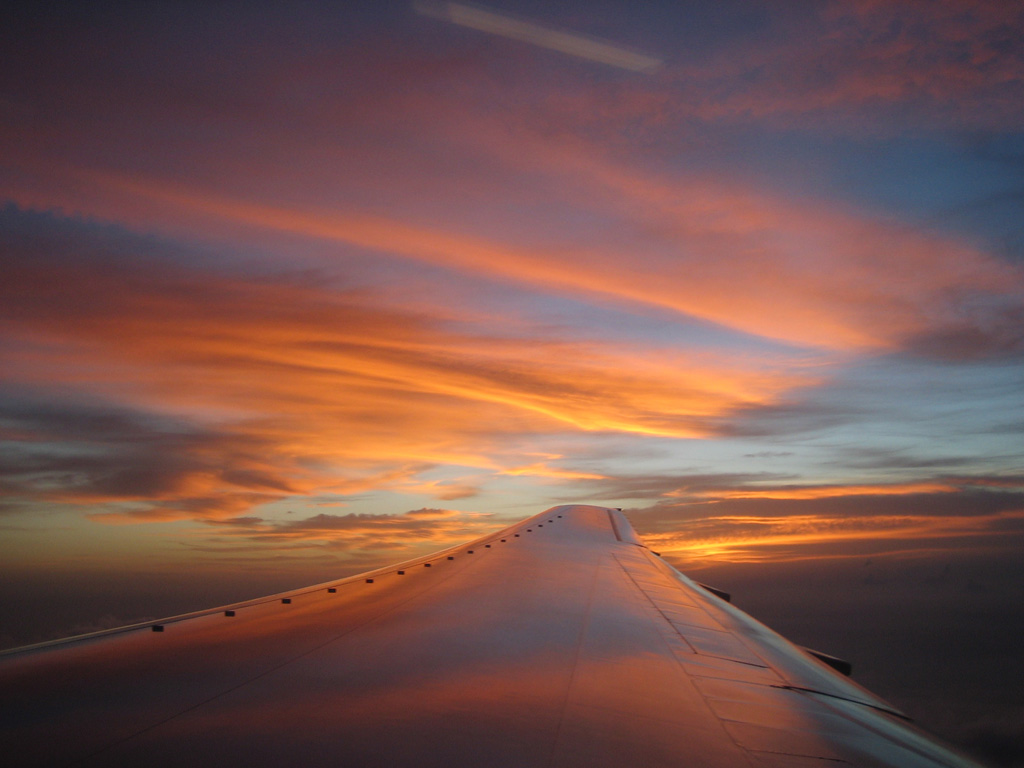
[[285, 388], [497, 193], [544, 470], [742, 522], [797, 537], [825, 491], [730, 255], [249, 384]]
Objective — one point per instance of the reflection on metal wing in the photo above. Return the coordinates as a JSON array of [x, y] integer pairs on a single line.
[[572, 645]]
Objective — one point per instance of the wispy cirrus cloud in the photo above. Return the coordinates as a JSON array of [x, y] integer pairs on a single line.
[[502, 196], [728, 255], [771, 522], [781, 491], [240, 391]]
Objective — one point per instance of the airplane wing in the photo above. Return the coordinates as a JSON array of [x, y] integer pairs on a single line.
[[559, 641]]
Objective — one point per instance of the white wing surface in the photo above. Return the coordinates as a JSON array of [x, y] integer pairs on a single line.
[[560, 641]]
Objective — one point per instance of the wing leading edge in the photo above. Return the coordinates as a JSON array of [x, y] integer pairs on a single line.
[[559, 641]]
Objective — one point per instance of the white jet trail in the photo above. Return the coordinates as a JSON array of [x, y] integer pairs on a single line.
[[570, 43]]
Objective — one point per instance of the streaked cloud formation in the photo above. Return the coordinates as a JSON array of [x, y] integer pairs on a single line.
[[777, 525], [272, 280], [305, 389]]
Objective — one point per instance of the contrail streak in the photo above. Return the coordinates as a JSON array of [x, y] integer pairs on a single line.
[[569, 43]]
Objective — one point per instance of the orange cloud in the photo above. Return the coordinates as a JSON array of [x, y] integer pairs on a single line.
[[541, 469], [304, 389], [496, 191], [821, 522], [444, 490], [275, 389], [826, 491], [808, 272], [797, 537], [728, 254]]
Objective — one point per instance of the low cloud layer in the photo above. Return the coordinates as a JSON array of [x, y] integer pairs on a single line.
[[786, 523]]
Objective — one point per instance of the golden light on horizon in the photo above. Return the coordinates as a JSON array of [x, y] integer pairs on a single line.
[[757, 539]]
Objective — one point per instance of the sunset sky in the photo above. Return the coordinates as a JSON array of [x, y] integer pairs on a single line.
[[289, 290]]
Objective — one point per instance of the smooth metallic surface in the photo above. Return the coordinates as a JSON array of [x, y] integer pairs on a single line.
[[574, 647]]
